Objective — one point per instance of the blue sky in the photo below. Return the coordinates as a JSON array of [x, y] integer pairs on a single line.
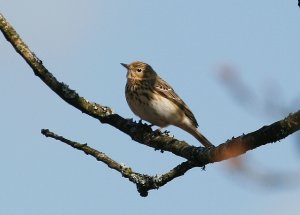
[[83, 43]]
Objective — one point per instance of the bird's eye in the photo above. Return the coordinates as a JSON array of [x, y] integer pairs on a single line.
[[139, 70]]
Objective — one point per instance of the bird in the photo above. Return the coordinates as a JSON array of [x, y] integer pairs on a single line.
[[152, 99]]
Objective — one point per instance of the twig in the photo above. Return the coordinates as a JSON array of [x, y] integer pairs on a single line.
[[143, 133], [196, 156], [139, 132], [143, 182]]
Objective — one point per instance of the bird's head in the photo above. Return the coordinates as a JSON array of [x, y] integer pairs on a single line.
[[139, 70]]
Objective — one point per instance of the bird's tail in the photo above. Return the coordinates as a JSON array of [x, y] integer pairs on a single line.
[[205, 142], [193, 131]]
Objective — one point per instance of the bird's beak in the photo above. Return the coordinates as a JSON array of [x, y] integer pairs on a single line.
[[125, 65]]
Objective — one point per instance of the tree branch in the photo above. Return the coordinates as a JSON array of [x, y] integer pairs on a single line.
[[139, 132], [142, 133], [143, 182]]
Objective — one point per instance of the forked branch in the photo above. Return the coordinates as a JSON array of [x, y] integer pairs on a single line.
[[142, 133], [143, 182]]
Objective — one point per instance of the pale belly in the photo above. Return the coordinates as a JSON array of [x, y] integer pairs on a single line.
[[159, 111]]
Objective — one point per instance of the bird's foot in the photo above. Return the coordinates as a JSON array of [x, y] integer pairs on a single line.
[[157, 132], [166, 132]]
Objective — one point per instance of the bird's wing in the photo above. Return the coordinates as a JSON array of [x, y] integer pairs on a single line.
[[164, 89]]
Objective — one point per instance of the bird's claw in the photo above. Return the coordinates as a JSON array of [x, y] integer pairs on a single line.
[[157, 132]]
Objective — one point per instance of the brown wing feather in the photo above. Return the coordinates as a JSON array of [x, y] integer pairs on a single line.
[[164, 89]]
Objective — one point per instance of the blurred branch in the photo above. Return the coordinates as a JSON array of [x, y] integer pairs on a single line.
[[255, 173], [268, 101], [142, 133], [271, 103]]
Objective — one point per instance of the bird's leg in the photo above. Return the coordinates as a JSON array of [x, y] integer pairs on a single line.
[[166, 132], [159, 131]]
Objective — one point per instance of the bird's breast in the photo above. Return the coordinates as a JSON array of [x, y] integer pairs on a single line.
[[149, 105]]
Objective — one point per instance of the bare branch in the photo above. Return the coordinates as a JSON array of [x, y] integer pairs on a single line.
[[142, 133], [269, 103], [139, 132], [143, 182]]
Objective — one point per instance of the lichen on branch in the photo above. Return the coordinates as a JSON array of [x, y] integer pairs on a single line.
[[143, 133]]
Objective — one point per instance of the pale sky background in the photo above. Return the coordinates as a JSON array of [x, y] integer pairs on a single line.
[[83, 43]]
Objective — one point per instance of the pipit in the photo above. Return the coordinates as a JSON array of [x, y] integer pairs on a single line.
[[154, 100]]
